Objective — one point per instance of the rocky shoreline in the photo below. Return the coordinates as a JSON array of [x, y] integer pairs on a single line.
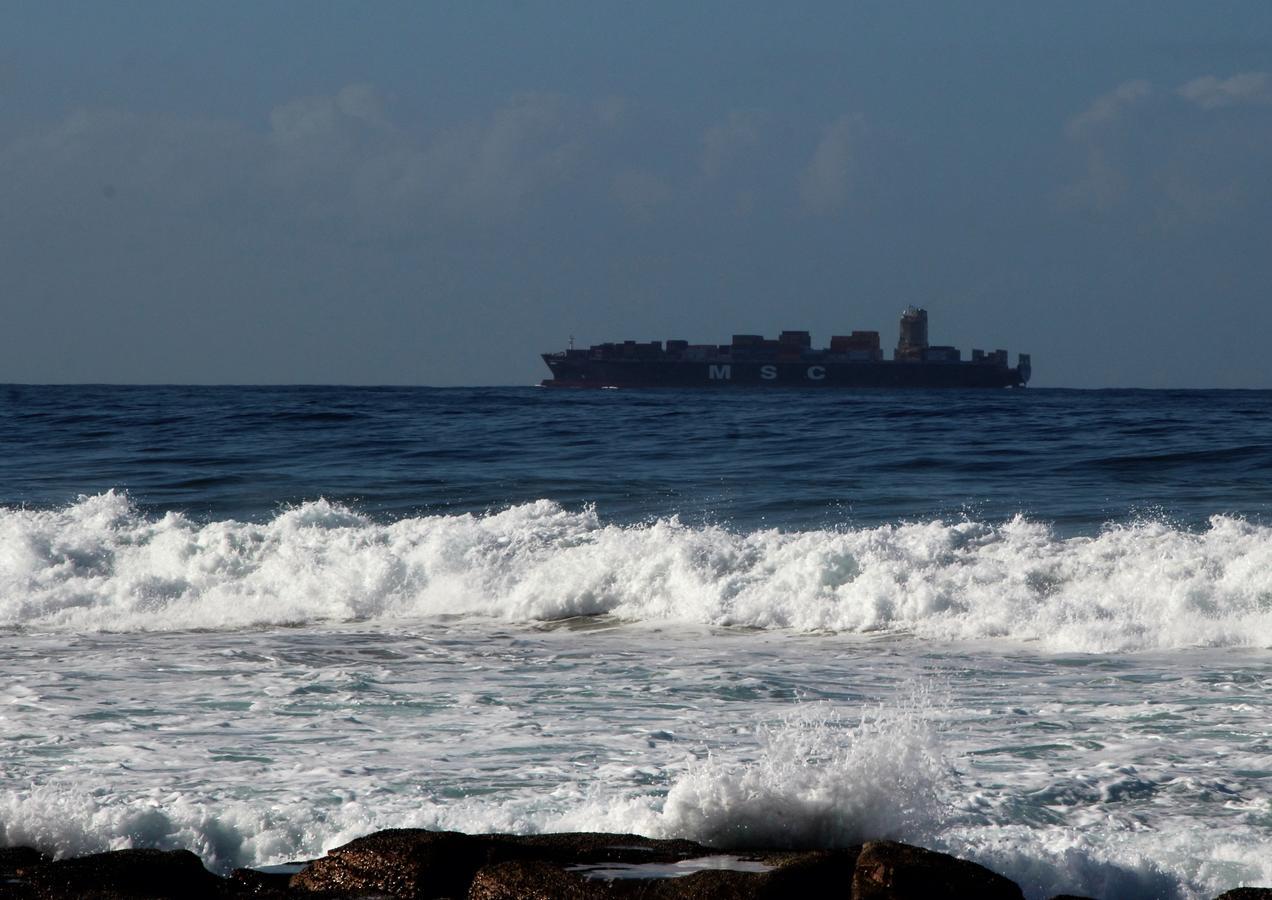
[[415, 863]]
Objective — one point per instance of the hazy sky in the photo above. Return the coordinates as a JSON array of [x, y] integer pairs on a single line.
[[435, 193]]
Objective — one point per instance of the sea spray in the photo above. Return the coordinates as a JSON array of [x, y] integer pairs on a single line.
[[819, 781]]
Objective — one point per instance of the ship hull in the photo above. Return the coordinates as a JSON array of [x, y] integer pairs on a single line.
[[594, 373]]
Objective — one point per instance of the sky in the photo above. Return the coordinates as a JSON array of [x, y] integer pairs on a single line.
[[436, 193]]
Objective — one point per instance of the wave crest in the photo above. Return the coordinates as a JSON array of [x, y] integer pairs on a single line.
[[100, 564]]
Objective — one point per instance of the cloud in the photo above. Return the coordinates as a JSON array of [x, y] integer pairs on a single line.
[[319, 136], [826, 180], [1248, 89], [339, 160], [185, 166], [1099, 189], [725, 141], [1172, 159], [640, 193], [482, 171], [495, 166], [1108, 108]]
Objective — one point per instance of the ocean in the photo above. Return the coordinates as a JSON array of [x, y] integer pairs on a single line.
[[1031, 628]]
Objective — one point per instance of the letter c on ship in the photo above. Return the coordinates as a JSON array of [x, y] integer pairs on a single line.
[[816, 373]]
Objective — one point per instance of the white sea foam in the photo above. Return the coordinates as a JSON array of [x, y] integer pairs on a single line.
[[815, 780], [99, 564], [1137, 776], [817, 783], [812, 779]]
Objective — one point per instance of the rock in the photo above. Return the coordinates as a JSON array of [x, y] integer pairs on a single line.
[[816, 873], [122, 874], [422, 864], [15, 862], [400, 862], [255, 883], [1246, 893], [887, 870], [534, 880], [597, 847], [419, 864], [412, 863], [813, 874], [13, 859]]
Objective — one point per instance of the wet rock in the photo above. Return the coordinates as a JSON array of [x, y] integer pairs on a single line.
[[400, 862], [261, 884], [421, 864], [122, 875], [887, 870], [434, 864], [14, 863], [13, 859], [534, 880], [597, 847], [816, 873], [1246, 893], [765, 876]]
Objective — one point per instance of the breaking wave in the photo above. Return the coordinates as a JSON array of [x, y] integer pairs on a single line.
[[101, 564]]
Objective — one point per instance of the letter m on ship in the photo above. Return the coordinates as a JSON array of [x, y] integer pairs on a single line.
[[720, 373]]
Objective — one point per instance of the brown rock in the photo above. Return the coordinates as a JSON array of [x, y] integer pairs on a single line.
[[597, 847], [124, 874], [887, 870], [422, 864], [814, 875], [412, 863], [709, 884], [534, 880], [817, 873], [255, 883], [400, 862]]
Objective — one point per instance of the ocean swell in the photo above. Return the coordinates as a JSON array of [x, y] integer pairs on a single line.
[[100, 564]]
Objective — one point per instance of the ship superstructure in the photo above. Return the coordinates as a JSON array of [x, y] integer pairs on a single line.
[[851, 360]]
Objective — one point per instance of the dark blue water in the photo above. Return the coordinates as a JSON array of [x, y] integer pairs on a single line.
[[746, 459]]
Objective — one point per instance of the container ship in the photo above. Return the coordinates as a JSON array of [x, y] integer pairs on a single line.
[[854, 361]]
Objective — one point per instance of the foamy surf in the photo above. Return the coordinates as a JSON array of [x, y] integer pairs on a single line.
[[814, 778], [101, 565]]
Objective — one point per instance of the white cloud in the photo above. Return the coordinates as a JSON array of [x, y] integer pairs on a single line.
[[640, 192], [178, 165], [1249, 88], [1108, 108], [723, 142], [522, 149], [483, 171], [336, 159], [825, 183], [1099, 189], [1165, 160]]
